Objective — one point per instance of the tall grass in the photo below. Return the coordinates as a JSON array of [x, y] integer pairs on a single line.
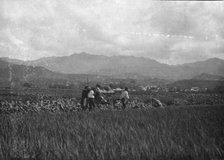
[[168, 133]]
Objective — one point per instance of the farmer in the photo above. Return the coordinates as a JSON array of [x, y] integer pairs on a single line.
[[98, 97], [124, 97], [84, 98], [91, 97]]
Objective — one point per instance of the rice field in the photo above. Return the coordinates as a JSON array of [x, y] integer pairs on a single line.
[[179, 133]]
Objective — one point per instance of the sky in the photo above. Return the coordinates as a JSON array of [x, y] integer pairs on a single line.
[[170, 32]]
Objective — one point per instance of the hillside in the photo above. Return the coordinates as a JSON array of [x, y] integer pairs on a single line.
[[205, 76], [15, 75], [213, 66], [188, 83]]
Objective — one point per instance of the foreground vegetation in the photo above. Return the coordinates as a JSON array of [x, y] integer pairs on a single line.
[[156, 133]]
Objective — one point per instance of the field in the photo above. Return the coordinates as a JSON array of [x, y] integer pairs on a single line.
[[174, 132]]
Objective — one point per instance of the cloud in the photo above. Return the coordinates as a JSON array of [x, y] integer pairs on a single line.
[[172, 32]]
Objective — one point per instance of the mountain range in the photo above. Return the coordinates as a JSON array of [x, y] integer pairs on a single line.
[[124, 66], [14, 75]]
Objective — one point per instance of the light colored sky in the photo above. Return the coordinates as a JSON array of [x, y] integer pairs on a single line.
[[170, 32]]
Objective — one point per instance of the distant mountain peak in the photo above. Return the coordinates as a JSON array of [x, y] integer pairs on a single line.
[[85, 55], [81, 53], [214, 60]]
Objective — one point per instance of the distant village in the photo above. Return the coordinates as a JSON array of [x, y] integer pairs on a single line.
[[164, 89], [171, 89]]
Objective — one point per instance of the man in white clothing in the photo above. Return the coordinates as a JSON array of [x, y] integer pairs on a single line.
[[91, 99], [124, 97]]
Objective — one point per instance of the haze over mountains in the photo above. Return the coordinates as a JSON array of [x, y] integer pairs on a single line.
[[129, 66]]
